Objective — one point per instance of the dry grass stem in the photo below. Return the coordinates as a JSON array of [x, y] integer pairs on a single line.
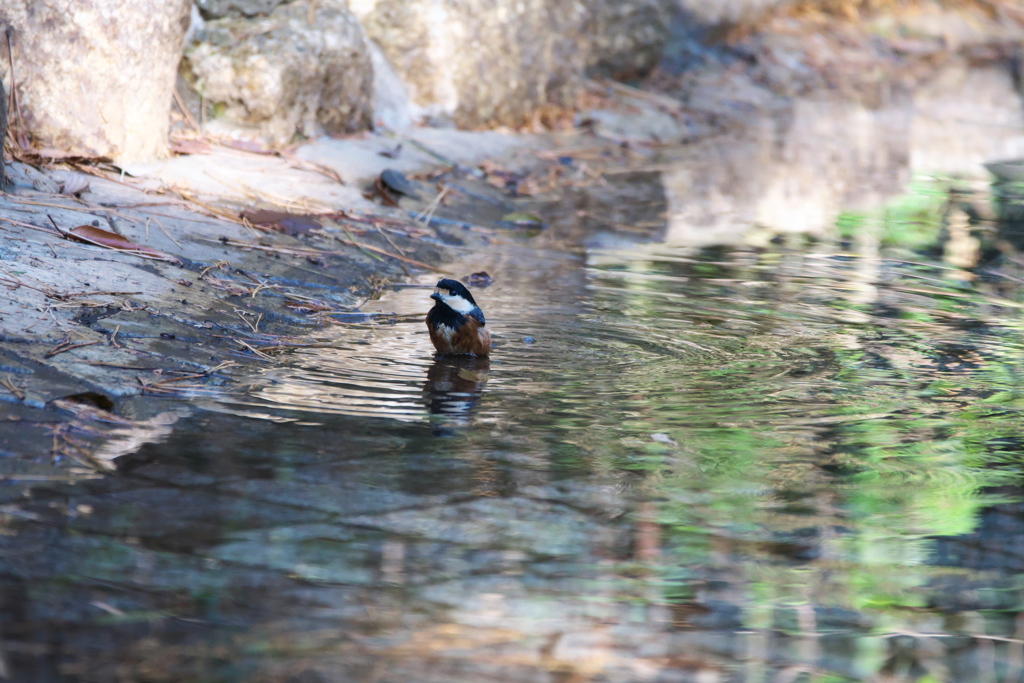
[[184, 110], [162, 229], [429, 209], [68, 345], [256, 352], [252, 326], [297, 251], [9, 385], [219, 265], [81, 209], [30, 226], [219, 213]]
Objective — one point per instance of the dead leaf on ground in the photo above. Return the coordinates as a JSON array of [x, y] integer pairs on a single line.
[[384, 193], [289, 223], [74, 185], [247, 146], [90, 234], [190, 147], [500, 177]]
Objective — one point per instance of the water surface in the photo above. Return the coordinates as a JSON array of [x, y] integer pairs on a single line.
[[783, 460], [798, 462]]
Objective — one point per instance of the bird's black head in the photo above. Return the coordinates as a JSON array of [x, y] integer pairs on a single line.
[[454, 294]]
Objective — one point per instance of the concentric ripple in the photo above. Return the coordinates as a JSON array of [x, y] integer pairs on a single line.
[[673, 335]]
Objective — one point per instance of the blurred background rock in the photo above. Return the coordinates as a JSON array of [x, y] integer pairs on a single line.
[[95, 78]]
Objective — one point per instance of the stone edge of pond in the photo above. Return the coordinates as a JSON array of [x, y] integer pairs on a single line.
[[92, 337]]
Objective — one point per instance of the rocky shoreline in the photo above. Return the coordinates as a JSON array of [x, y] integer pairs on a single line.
[[90, 334]]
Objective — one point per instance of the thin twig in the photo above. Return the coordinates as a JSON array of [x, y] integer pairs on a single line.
[[9, 31], [220, 213], [316, 252], [30, 226], [119, 366], [9, 385], [74, 294], [218, 265], [80, 209], [352, 240], [184, 110], [66, 345], [37, 321], [256, 351], [162, 229], [312, 166], [430, 208], [253, 327], [62, 232], [18, 283]]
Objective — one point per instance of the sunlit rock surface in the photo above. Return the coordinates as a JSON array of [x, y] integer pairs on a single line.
[[304, 69], [3, 131], [728, 11], [474, 62], [94, 77], [391, 104]]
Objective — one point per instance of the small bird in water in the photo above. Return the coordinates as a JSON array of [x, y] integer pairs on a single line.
[[456, 324]]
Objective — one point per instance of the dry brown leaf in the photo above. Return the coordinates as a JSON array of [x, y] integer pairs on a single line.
[[190, 147], [73, 185], [289, 223], [247, 146], [99, 237]]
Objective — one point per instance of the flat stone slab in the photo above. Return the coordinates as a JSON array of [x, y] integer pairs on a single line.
[[113, 329]]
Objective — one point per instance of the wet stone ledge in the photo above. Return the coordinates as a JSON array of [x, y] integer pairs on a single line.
[[92, 338], [133, 298]]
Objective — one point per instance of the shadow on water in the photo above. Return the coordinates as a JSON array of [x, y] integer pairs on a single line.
[[796, 461]]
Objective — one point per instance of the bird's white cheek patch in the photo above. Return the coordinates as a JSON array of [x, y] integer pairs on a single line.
[[458, 304]]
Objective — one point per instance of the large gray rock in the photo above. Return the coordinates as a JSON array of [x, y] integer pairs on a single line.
[[624, 38], [480, 62], [392, 107], [94, 77], [303, 69], [484, 62], [3, 133], [218, 9], [728, 11]]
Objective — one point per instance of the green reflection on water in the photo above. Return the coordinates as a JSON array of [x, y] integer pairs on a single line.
[[816, 468], [767, 446], [912, 220]]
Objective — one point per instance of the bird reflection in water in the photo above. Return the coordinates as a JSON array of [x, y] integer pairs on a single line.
[[453, 387]]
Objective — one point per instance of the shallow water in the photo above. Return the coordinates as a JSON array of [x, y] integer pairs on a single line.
[[797, 461], [776, 464]]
